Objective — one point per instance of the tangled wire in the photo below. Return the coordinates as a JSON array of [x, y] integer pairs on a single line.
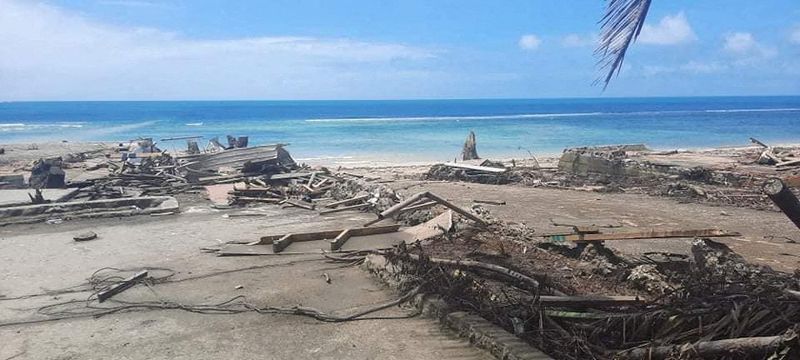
[[105, 278]]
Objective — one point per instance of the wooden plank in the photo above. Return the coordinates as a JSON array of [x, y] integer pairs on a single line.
[[477, 168], [345, 208], [120, 287], [491, 202], [652, 234], [300, 204], [292, 175], [328, 234], [788, 163], [347, 201], [588, 301], [258, 199]]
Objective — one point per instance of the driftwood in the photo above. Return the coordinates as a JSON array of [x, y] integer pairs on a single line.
[[529, 282], [751, 346], [783, 197]]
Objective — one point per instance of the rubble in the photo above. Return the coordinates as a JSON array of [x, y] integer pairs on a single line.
[[635, 169]]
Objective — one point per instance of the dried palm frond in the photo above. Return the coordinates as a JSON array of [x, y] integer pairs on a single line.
[[620, 27]]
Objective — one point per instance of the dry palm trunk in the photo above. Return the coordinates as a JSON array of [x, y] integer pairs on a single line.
[[752, 346]]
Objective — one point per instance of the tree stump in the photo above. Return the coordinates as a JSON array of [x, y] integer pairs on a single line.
[[470, 152]]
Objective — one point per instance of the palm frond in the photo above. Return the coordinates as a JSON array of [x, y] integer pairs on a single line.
[[620, 27]]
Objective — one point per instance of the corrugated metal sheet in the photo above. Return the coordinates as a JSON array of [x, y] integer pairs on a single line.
[[237, 158]]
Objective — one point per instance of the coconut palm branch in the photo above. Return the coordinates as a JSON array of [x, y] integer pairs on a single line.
[[620, 27]]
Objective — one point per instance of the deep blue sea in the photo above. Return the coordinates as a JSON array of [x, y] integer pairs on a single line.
[[407, 131]]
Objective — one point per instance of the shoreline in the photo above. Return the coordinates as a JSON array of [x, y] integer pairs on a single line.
[[30, 151]]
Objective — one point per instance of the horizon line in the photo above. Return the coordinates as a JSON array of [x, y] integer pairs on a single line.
[[407, 99]]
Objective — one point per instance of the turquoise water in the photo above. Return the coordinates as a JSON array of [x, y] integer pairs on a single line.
[[418, 130]]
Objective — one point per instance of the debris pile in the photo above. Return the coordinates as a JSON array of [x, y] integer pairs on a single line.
[[710, 305], [635, 169]]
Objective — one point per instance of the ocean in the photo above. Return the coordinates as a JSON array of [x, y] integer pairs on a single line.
[[406, 131]]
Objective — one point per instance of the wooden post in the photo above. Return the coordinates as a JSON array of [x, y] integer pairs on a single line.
[[783, 197]]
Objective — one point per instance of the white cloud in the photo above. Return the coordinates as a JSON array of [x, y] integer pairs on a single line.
[[692, 67], [700, 67], [740, 42], [60, 55], [746, 48], [670, 30], [577, 40], [529, 42], [135, 3], [794, 36]]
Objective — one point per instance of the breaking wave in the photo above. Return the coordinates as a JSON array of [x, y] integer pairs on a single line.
[[753, 110], [24, 127], [545, 115]]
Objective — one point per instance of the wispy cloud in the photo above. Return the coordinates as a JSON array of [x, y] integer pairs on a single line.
[[745, 47], [136, 3], [529, 42], [794, 35], [577, 40], [58, 54], [670, 30]]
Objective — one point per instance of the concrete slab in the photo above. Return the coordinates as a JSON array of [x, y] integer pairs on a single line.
[[14, 197]]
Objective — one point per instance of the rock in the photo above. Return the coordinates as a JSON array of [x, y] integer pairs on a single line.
[[89, 235]]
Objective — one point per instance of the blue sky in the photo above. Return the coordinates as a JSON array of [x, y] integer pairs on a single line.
[[372, 49]]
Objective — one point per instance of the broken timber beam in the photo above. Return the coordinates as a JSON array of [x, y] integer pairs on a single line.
[[346, 234], [759, 143], [476, 168], [491, 202], [347, 201], [287, 239], [457, 209], [344, 208], [421, 205], [588, 301], [652, 234], [788, 163], [784, 198], [425, 194], [104, 295]]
